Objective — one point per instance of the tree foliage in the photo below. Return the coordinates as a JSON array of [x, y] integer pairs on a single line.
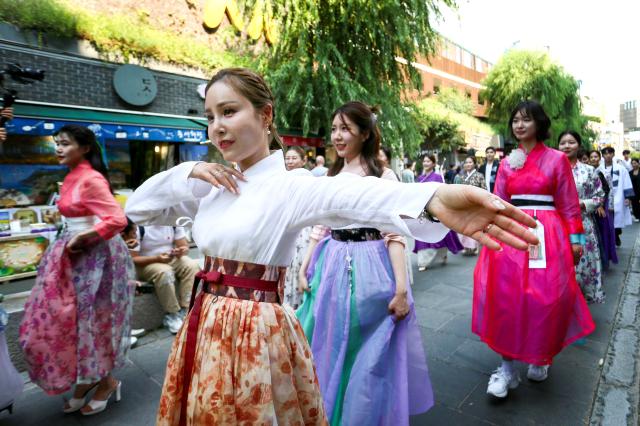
[[443, 128], [333, 51], [453, 99], [523, 74]]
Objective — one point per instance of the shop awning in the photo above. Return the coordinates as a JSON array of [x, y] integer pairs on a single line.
[[35, 118], [99, 116]]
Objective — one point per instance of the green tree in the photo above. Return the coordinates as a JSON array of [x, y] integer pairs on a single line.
[[443, 128], [333, 51], [455, 100], [523, 74]]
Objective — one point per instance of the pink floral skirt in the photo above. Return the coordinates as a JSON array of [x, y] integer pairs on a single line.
[[76, 322]]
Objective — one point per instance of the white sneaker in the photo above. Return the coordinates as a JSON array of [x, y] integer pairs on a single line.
[[132, 341], [500, 382], [137, 332], [537, 373], [172, 322]]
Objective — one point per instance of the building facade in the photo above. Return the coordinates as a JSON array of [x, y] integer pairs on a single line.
[[630, 115], [453, 66], [456, 67]]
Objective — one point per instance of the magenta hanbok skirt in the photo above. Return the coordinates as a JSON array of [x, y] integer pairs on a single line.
[[530, 314]]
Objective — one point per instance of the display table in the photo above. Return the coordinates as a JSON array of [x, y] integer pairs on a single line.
[[22, 247], [20, 253]]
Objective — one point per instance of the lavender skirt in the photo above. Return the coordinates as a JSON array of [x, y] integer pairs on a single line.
[[369, 366]]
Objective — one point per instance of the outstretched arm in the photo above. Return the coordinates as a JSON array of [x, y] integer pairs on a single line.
[[470, 211]]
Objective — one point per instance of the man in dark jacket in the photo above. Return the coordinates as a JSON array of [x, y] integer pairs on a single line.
[[490, 168]]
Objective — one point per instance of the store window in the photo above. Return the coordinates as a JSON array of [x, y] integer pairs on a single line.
[[29, 171], [467, 59]]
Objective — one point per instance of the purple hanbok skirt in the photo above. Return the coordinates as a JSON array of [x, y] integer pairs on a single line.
[[371, 368], [450, 241], [607, 239]]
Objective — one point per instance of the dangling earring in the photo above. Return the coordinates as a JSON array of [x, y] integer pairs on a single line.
[[268, 130]]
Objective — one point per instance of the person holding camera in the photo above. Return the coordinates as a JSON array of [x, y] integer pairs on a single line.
[[8, 114], [161, 258]]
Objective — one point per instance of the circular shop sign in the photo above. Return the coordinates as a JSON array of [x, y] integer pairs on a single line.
[[135, 85]]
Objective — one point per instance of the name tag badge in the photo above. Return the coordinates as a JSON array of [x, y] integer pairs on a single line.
[[537, 255]]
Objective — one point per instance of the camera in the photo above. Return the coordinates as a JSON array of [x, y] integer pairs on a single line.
[[21, 75]]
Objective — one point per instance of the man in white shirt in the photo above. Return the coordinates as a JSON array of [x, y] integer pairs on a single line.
[[490, 168], [161, 258], [626, 161], [319, 169], [621, 191]]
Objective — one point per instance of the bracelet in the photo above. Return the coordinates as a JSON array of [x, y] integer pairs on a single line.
[[425, 215]]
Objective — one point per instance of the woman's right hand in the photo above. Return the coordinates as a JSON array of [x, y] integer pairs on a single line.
[[218, 175], [600, 211], [303, 284]]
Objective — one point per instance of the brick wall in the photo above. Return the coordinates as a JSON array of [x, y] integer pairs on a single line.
[[88, 82]]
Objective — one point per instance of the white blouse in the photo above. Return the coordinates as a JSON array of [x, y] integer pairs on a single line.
[[261, 224]]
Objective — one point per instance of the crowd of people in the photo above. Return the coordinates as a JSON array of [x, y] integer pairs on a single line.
[[303, 312]]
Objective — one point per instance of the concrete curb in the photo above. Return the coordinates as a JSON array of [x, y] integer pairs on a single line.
[[617, 396]]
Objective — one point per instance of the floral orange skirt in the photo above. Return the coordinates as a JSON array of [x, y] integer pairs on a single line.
[[252, 365]]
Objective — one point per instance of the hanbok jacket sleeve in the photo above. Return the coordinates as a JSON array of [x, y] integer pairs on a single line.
[[97, 198], [625, 181], [390, 236], [594, 193], [167, 196], [500, 187], [346, 199], [566, 198]]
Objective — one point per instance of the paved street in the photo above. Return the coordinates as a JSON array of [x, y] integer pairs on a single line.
[[460, 365]]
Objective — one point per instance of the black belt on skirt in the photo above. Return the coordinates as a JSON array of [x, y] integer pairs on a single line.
[[356, 234], [518, 202]]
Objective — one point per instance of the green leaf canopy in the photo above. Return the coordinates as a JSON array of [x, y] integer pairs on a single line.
[[333, 51], [523, 74]]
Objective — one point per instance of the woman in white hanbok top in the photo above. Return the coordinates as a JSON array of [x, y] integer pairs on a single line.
[[241, 356]]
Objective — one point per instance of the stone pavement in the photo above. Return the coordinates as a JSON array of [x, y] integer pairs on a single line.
[[460, 364], [592, 377]]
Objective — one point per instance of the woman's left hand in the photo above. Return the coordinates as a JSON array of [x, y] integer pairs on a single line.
[[482, 216], [399, 306], [577, 253], [76, 243]]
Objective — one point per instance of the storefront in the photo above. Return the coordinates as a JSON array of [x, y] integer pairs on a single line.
[[312, 145], [135, 146]]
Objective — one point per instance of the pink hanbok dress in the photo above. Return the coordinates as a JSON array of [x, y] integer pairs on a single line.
[[76, 323], [530, 313]]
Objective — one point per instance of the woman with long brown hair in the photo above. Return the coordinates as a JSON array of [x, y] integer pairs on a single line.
[[358, 276], [241, 356]]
